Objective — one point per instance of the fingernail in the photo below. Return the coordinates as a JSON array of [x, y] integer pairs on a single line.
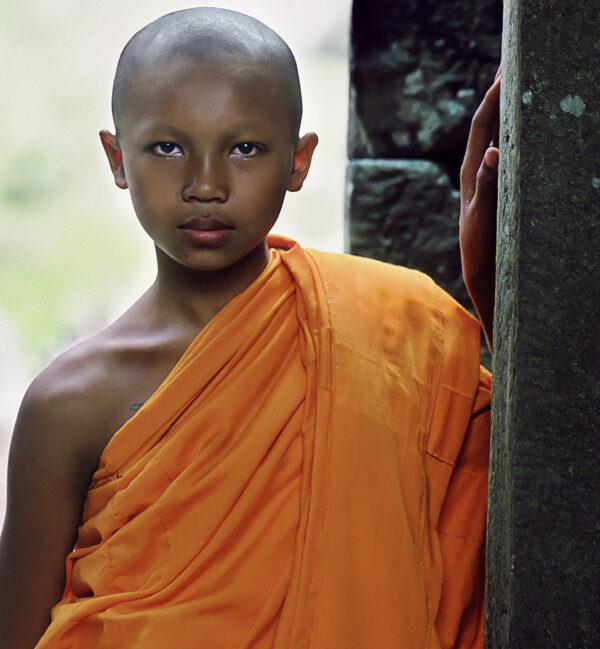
[[491, 158]]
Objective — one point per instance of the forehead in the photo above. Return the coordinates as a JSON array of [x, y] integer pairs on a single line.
[[219, 85]]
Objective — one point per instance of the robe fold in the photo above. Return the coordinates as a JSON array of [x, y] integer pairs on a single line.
[[311, 474]]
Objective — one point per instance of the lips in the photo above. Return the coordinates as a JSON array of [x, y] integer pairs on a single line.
[[204, 224], [206, 231]]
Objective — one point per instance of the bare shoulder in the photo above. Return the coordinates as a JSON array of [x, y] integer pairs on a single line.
[[64, 385], [62, 401], [57, 436], [52, 457], [86, 394]]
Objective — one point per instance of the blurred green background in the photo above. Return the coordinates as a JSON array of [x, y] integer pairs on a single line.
[[72, 256]]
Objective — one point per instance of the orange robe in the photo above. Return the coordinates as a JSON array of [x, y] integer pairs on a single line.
[[311, 474]]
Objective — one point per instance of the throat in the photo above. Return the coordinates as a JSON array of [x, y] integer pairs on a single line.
[[195, 296]]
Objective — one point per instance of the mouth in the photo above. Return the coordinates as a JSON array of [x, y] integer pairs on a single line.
[[204, 224], [206, 231]]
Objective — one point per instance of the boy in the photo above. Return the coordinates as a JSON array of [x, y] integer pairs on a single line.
[[301, 448]]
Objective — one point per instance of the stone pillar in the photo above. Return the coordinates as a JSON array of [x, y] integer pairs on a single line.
[[543, 559], [418, 71]]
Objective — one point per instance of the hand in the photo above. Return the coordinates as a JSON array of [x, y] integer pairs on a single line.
[[478, 205]]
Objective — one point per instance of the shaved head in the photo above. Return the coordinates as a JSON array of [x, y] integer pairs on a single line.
[[218, 37]]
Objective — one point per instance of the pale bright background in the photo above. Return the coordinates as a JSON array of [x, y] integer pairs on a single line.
[[72, 256]]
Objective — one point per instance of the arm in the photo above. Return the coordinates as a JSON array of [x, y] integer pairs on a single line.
[[47, 482], [478, 204]]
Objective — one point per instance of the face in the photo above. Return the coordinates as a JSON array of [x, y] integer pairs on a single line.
[[208, 157]]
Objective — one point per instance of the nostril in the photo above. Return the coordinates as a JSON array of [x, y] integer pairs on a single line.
[[203, 189]]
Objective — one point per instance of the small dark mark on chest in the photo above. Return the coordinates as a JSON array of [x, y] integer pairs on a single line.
[[136, 406]]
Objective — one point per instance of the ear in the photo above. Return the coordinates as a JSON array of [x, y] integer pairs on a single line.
[[302, 158], [110, 143]]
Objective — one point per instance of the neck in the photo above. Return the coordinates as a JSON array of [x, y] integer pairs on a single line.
[[194, 297]]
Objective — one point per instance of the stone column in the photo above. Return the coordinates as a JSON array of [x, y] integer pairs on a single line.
[[418, 71], [543, 558]]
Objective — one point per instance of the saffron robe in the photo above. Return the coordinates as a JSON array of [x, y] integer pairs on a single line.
[[311, 474]]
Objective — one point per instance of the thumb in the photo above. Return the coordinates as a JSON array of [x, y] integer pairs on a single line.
[[491, 158], [486, 184]]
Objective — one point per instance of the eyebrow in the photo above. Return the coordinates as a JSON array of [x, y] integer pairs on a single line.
[[236, 130], [147, 126]]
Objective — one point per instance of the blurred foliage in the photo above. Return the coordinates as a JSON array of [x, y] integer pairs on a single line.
[[59, 256]]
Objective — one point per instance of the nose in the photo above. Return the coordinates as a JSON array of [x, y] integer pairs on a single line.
[[205, 181]]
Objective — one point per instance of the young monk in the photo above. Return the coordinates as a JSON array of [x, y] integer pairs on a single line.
[[300, 455]]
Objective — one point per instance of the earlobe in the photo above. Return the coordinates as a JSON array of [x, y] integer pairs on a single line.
[[110, 144], [302, 159]]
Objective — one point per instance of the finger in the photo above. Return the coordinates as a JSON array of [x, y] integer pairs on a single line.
[[481, 134], [482, 206], [482, 126], [485, 200], [495, 141], [491, 158], [496, 131]]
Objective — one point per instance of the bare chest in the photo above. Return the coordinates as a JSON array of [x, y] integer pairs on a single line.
[[128, 382]]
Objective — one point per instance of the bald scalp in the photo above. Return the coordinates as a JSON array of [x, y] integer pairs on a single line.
[[217, 36]]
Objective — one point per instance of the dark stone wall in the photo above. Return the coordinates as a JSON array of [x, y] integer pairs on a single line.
[[543, 558], [407, 213], [418, 70]]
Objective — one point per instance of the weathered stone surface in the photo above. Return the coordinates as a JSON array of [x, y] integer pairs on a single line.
[[406, 212], [418, 71], [544, 519]]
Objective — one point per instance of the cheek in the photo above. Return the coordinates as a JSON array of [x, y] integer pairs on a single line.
[[149, 189], [274, 184]]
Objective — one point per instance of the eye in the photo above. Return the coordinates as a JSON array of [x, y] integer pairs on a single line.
[[246, 150], [167, 149]]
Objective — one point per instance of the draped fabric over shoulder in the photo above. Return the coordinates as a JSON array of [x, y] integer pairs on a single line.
[[312, 473]]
